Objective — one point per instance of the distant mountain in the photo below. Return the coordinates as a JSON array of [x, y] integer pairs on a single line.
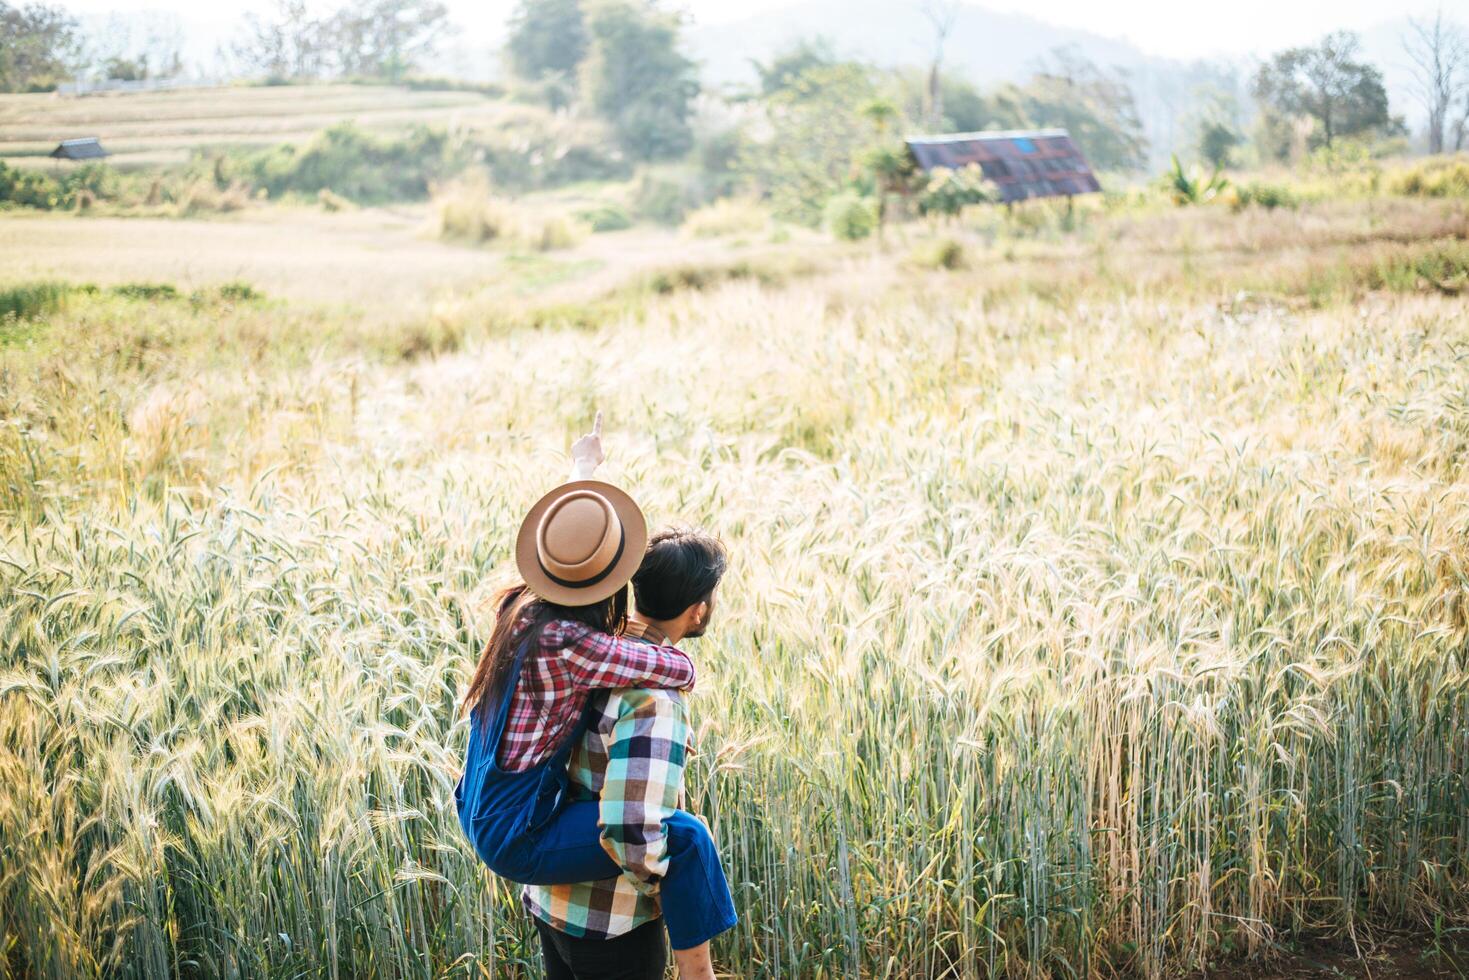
[[988, 46]]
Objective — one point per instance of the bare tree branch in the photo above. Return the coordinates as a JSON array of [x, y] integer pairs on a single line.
[[1439, 54], [941, 15]]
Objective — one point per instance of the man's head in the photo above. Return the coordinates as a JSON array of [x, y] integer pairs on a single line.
[[675, 583]]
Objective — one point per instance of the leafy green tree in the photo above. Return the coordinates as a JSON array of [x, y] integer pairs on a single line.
[[817, 133], [1216, 142], [781, 71], [1327, 84], [548, 39], [637, 79], [39, 44]]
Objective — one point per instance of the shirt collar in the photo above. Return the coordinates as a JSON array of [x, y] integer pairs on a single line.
[[646, 631]]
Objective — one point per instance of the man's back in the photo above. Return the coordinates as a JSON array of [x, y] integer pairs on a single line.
[[632, 760]]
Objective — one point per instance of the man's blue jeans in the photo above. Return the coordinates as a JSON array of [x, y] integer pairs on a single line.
[[694, 894]]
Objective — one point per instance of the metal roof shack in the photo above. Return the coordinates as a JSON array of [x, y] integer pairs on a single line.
[[89, 148], [1021, 163]]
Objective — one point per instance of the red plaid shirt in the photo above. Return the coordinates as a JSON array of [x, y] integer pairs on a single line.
[[570, 661]]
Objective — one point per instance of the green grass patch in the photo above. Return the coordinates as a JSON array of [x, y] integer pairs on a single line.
[[534, 272], [152, 291], [30, 300]]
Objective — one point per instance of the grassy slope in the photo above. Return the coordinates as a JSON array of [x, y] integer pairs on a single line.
[[165, 127]]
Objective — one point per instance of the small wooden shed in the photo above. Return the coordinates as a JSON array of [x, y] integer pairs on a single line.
[[87, 148]]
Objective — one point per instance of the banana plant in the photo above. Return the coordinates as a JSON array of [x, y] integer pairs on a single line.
[[1191, 187]]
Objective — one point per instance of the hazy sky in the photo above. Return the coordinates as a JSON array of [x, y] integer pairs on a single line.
[[1162, 27]]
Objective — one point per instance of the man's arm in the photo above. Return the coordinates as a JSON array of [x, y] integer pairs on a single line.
[[644, 782]]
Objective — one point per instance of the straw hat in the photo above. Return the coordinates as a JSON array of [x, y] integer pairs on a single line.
[[580, 543]]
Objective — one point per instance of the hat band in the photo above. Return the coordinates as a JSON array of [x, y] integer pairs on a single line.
[[587, 583]]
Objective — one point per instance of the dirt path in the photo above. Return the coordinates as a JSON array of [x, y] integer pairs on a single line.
[[374, 258], [1397, 959]]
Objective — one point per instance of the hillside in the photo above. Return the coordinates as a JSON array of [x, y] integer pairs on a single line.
[[167, 126]]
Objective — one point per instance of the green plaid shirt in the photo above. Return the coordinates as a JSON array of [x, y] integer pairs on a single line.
[[632, 760]]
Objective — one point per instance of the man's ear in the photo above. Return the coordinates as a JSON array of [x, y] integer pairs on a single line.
[[701, 613]]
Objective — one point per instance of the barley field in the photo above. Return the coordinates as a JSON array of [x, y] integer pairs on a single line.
[[1098, 608]]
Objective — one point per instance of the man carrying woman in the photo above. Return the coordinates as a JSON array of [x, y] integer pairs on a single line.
[[573, 779]]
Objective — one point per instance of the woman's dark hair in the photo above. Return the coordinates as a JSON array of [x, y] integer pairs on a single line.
[[520, 613], [680, 568]]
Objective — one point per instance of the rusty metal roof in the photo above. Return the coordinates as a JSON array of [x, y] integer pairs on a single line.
[[1021, 163]]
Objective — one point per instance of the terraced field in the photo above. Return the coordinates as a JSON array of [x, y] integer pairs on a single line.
[[166, 127]]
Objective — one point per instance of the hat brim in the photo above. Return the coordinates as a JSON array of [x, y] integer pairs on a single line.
[[635, 542]]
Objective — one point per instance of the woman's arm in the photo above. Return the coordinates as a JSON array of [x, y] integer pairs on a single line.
[[586, 452], [600, 661]]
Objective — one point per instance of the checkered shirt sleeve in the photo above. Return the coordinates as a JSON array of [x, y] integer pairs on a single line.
[[601, 661]]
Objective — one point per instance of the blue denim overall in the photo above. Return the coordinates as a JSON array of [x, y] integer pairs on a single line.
[[526, 829]]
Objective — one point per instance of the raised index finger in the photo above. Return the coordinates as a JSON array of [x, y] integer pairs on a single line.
[[597, 425]]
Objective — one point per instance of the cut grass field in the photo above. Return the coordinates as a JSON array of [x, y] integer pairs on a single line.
[[1098, 607], [166, 127]]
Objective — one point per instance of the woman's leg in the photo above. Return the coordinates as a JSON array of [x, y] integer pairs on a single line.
[[695, 897], [569, 849]]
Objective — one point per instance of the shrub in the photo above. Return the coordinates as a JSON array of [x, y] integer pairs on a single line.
[[605, 217], [946, 253], [468, 211], [663, 199], [1443, 266], [729, 216], [333, 202], [28, 188], [238, 292], [1442, 177], [850, 216], [948, 192], [202, 196], [350, 162], [1261, 194], [151, 291]]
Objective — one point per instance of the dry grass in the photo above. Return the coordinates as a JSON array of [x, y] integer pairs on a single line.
[[469, 212], [1081, 622]]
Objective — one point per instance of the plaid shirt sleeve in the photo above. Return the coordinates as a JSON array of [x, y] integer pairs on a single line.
[[646, 748], [600, 661]]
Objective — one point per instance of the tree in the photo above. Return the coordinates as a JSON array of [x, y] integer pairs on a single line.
[[782, 70], [290, 43], [138, 46], [1342, 96], [39, 46], [386, 38], [1216, 141], [940, 15], [1095, 105], [548, 39], [1439, 54], [636, 78], [817, 131]]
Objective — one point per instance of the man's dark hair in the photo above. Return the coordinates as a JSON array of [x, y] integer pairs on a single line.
[[680, 568]]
